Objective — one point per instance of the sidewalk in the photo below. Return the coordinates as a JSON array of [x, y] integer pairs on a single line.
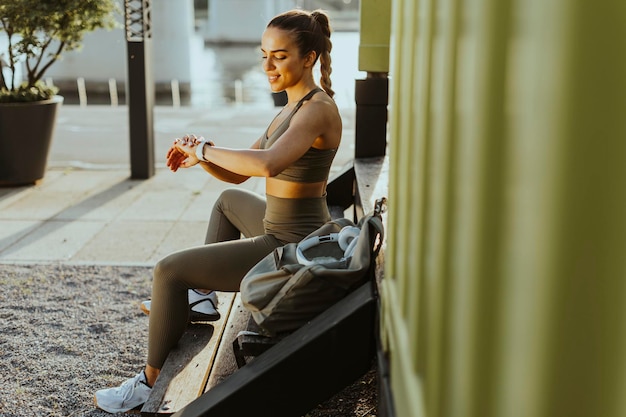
[[87, 210]]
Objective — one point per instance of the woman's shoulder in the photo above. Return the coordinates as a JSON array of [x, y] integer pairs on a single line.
[[326, 115], [324, 103], [322, 112], [319, 110]]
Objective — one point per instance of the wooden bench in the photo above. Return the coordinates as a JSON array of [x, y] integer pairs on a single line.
[[187, 369], [202, 374]]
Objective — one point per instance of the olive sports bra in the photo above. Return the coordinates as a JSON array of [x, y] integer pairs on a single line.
[[314, 165]]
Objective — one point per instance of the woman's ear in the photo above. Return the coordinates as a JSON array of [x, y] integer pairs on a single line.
[[310, 58]]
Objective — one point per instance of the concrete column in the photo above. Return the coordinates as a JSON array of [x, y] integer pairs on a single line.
[[140, 88]]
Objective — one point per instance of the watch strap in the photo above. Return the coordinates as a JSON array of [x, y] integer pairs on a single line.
[[200, 150]]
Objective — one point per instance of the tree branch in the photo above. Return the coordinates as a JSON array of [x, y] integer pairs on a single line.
[[3, 83], [32, 70], [55, 56]]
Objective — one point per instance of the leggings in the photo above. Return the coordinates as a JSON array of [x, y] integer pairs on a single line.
[[222, 262]]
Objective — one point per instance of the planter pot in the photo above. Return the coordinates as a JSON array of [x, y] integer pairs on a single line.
[[26, 131]]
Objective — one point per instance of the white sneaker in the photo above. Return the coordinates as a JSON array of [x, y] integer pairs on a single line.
[[133, 393], [202, 307]]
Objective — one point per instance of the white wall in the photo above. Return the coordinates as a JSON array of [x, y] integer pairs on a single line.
[[103, 55], [241, 20]]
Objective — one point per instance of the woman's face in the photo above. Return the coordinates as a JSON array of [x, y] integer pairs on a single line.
[[281, 59]]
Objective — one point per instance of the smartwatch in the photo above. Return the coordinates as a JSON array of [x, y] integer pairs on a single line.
[[200, 150]]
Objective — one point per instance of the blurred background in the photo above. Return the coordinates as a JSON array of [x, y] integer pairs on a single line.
[[205, 53]]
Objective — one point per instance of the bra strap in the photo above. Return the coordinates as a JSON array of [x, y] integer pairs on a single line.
[[305, 98]]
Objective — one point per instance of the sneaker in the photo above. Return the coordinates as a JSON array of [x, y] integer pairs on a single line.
[[133, 393], [202, 307]]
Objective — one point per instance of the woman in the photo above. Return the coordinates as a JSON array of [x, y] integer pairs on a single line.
[[294, 155]]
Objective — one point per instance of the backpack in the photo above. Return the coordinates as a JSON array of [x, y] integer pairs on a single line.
[[297, 281]]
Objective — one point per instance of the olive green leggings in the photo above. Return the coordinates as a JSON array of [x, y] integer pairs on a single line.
[[224, 259]]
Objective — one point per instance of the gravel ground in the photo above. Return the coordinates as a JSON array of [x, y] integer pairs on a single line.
[[67, 331]]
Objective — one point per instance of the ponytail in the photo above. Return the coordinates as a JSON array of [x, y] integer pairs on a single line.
[[325, 62]]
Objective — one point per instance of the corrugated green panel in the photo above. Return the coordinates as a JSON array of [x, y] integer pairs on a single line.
[[459, 334], [395, 132], [440, 203], [526, 280], [403, 169], [486, 180], [408, 167], [407, 387], [418, 179], [585, 346], [506, 285], [395, 116]]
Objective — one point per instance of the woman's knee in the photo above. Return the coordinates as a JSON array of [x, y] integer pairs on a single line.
[[228, 199], [166, 269]]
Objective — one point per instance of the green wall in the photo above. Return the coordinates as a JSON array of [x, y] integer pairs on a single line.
[[505, 275]]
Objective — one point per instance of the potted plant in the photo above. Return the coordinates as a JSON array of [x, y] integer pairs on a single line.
[[33, 35]]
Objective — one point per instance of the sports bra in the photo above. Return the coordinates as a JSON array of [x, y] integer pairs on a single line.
[[314, 165]]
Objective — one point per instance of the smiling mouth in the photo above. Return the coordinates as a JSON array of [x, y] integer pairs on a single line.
[[272, 78]]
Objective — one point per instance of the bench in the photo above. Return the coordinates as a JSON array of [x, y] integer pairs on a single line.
[[205, 375]]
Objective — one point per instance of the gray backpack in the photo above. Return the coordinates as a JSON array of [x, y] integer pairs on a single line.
[[296, 282]]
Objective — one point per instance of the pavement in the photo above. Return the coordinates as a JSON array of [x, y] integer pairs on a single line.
[[87, 210]]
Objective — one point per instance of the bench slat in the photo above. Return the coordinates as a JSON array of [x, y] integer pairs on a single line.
[[186, 370], [372, 182], [225, 363]]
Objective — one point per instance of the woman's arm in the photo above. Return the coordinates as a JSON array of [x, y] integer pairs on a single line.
[[223, 174], [311, 122], [177, 157]]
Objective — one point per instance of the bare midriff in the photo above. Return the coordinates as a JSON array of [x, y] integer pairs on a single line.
[[290, 189]]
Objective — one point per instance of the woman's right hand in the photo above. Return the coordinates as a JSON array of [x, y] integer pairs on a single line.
[[182, 153], [175, 158]]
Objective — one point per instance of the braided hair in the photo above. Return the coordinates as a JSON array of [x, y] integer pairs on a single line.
[[311, 31]]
